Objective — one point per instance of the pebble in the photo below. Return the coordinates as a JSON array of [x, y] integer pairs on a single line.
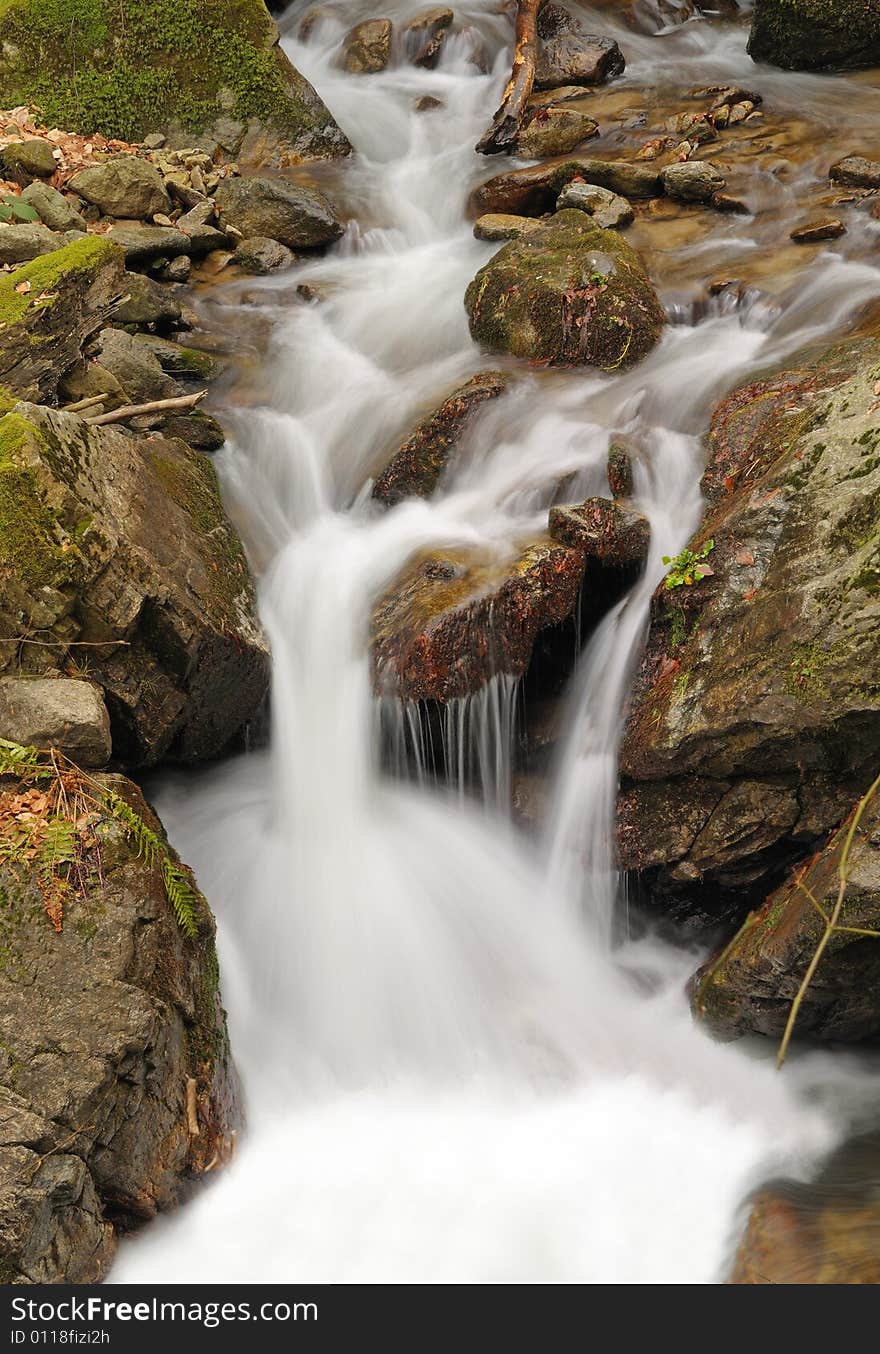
[[818, 230]]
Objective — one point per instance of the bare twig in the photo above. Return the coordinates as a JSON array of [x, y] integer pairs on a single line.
[[502, 135], [87, 403], [154, 407], [832, 920]]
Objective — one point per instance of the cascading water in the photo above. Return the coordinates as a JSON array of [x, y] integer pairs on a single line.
[[449, 1076]]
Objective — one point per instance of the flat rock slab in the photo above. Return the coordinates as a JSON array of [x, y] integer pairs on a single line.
[[56, 713]]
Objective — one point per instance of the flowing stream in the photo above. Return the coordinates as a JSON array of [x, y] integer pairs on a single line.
[[451, 1075]]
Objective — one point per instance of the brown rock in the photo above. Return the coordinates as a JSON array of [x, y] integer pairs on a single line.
[[818, 230], [606, 531]]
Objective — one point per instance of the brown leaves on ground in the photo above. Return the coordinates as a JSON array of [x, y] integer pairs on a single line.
[[72, 152], [51, 829]]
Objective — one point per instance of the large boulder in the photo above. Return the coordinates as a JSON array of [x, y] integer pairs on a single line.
[[142, 566], [452, 620], [296, 216], [205, 70], [816, 34], [535, 190], [755, 719], [50, 307], [750, 986], [123, 186], [116, 1085], [568, 293], [29, 240], [569, 56], [416, 467]]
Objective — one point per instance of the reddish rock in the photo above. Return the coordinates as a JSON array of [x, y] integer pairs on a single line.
[[610, 532]]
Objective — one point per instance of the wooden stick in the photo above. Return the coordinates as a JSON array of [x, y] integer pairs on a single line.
[[87, 403], [154, 407], [502, 135]]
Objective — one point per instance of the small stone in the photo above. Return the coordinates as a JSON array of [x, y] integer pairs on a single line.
[[27, 160], [856, 172], [816, 231], [609, 210], [52, 207], [606, 531], [261, 255], [723, 202], [155, 141], [160, 219], [176, 270], [424, 37], [692, 181], [495, 226], [554, 131], [621, 480], [428, 104]]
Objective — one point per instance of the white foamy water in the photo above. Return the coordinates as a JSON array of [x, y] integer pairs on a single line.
[[450, 1076]]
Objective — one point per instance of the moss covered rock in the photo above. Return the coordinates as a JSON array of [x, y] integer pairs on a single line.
[[143, 566], [758, 701], [568, 293], [116, 1085], [126, 68], [70, 292], [816, 34]]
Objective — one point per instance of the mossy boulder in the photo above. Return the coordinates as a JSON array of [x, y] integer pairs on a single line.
[[416, 467], [143, 567], [755, 719], [113, 1051], [816, 34], [126, 68], [750, 986], [70, 292], [23, 161], [568, 293], [454, 619]]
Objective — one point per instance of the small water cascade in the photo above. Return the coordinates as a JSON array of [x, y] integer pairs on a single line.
[[450, 1074]]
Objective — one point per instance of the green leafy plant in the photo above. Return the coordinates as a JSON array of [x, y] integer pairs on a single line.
[[12, 209], [49, 822], [689, 567]]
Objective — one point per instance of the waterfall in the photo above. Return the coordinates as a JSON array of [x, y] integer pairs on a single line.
[[451, 1076]]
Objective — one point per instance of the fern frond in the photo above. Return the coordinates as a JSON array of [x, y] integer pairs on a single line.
[[181, 895]]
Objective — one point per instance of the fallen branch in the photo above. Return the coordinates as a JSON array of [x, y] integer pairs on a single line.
[[506, 124], [87, 403], [832, 920], [154, 407]]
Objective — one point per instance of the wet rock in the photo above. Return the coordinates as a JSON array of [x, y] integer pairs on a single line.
[[196, 428], [366, 49], [567, 293], [762, 674], [295, 216], [142, 565], [608, 210], [452, 621], [554, 131], [143, 243], [62, 713], [621, 478], [21, 243], [818, 230], [146, 303], [692, 181], [749, 988], [856, 172], [424, 37], [427, 103], [53, 208], [534, 190], [568, 56], [496, 226], [610, 532], [723, 202], [23, 161], [417, 466], [124, 187], [188, 364], [43, 330], [261, 255], [135, 366], [105, 1025], [816, 34], [175, 270]]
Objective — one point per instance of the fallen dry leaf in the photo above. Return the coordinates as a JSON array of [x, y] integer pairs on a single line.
[[744, 557]]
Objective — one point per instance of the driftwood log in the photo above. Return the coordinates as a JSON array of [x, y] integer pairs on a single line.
[[506, 124]]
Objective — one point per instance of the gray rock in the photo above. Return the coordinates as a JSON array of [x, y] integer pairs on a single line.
[[135, 366], [568, 56], [147, 303], [53, 208], [143, 243], [296, 216], [554, 131], [692, 181], [61, 713], [137, 548], [124, 186], [609, 210], [27, 160], [535, 189], [261, 255], [175, 270], [366, 48], [496, 226], [197, 429], [424, 37], [856, 172], [21, 243], [187, 363]]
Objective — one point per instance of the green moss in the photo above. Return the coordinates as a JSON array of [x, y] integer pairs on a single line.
[[8, 400], [127, 67], [33, 545], [46, 272], [815, 34]]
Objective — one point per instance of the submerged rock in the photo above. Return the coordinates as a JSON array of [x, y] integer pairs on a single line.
[[295, 216], [208, 73], [116, 1084], [816, 34], [567, 293], [749, 988], [453, 620], [141, 564], [816, 231], [416, 467], [757, 702]]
